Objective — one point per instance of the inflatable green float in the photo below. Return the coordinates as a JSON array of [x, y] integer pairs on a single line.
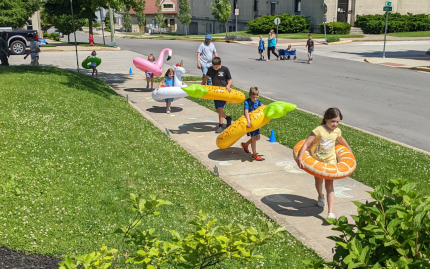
[[86, 62]]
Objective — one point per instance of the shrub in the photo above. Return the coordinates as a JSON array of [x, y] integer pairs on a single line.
[[289, 24], [375, 24], [332, 38], [336, 28], [46, 35], [238, 38], [391, 232], [54, 36]]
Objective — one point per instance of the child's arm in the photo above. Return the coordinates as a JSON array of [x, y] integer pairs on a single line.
[[230, 81], [248, 125], [183, 83], [161, 83], [205, 79], [308, 141], [343, 142]]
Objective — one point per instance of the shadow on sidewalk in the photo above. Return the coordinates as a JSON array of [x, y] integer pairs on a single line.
[[138, 90], [407, 54], [162, 109], [198, 127], [294, 205], [230, 154]]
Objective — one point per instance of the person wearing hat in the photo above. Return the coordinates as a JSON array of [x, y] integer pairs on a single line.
[[205, 54]]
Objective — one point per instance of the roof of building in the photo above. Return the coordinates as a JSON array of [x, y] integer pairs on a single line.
[[150, 7]]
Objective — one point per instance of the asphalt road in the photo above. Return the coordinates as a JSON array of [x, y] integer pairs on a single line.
[[387, 101]]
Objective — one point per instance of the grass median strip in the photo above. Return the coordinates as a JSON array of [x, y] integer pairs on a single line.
[[378, 160], [71, 152]]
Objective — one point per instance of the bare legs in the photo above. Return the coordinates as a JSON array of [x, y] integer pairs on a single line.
[[221, 114], [253, 142], [329, 189]]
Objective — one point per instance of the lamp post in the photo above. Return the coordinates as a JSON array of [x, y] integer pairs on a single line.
[[74, 32]]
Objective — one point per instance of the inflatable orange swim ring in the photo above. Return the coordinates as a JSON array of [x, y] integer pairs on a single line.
[[345, 166]]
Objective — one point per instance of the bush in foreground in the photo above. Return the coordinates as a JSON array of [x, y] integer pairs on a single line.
[[333, 38], [336, 28], [391, 232]]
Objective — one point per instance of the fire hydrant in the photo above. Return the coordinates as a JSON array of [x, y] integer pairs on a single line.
[[91, 39]]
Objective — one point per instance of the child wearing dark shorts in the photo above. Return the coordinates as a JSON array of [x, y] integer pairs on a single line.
[[220, 76], [261, 47], [251, 104]]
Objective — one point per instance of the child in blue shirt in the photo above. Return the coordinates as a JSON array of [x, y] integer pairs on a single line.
[[261, 47], [251, 104], [168, 81]]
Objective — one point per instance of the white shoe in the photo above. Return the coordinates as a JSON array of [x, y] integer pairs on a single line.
[[168, 111], [331, 216], [321, 202]]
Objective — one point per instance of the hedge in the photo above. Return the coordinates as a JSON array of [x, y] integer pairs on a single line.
[[336, 28], [375, 24], [289, 24]]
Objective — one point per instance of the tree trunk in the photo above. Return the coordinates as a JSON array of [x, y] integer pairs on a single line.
[[68, 38], [186, 30], [226, 29]]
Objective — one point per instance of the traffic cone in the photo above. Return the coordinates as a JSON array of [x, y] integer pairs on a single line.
[[272, 137], [130, 72]]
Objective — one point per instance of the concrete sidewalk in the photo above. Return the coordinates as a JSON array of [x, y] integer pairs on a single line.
[[276, 185], [416, 63]]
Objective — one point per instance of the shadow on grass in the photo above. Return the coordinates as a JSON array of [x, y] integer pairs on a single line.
[[294, 205], [81, 82]]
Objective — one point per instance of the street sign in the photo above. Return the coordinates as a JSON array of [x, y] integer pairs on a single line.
[[324, 18], [388, 4], [236, 12], [277, 21], [388, 8]]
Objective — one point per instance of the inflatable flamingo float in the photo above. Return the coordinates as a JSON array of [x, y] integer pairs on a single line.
[[154, 68]]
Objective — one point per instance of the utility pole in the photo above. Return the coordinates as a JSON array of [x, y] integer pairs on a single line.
[[101, 23], [112, 28]]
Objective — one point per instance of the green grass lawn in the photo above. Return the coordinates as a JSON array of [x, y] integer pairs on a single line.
[[220, 35], [378, 160], [411, 34], [71, 152]]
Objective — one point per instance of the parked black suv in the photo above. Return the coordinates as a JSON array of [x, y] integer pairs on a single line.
[[18, 40]]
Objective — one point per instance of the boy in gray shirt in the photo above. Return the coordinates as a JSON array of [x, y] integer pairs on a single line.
[[205, 54]]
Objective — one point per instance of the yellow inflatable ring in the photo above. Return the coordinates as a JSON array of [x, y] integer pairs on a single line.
[[345, 166]]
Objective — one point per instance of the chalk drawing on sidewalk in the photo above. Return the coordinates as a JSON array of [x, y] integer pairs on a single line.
[[181, 104], [172, 115], [210, 121], [191, 118], [151, 100], [290, 166], [339, 192], [224, 163], [200, 136], [274, 195], [148, 98]]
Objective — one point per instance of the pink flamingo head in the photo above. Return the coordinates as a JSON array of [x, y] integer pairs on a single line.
[[155, 68]]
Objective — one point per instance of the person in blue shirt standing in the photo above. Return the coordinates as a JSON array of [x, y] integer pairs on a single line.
[[261, 47], [251, 104], [271, 45], [205, 54]]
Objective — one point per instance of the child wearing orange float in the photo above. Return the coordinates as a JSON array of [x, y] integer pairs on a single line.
[[322, 141]]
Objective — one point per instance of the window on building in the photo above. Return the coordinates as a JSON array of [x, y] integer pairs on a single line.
[[273, 8], [29, 25], [298, 6], [168, 6], [255, 5]]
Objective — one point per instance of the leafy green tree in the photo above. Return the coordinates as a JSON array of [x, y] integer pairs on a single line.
[[15, 13], [107, 21], [221, 10], [184, 14], [127, 19], [140, 14], [159, 17], [44, 21]]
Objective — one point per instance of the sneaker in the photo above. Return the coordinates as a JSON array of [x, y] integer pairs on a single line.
[[170, 109], [228, 121], [219, 130], [263, 57], [256, 157], [309, 62], [331, 216], [321, 202], [245, 148], [167, 111]]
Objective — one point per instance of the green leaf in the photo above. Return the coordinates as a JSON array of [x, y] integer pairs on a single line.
[[408, 187]]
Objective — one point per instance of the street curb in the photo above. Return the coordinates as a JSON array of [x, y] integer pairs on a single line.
[[382, 40], [181, 39], [339, 42], [423, 69], [50, 49]]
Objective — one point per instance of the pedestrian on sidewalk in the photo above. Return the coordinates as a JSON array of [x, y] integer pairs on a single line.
[[205, 54], [34, 51], [220, 76], [93, 64], [310, 46], [4, 49], [251, 104], [322, 141], [271, 45], [168, 81], [149, 75], [261, 47]]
